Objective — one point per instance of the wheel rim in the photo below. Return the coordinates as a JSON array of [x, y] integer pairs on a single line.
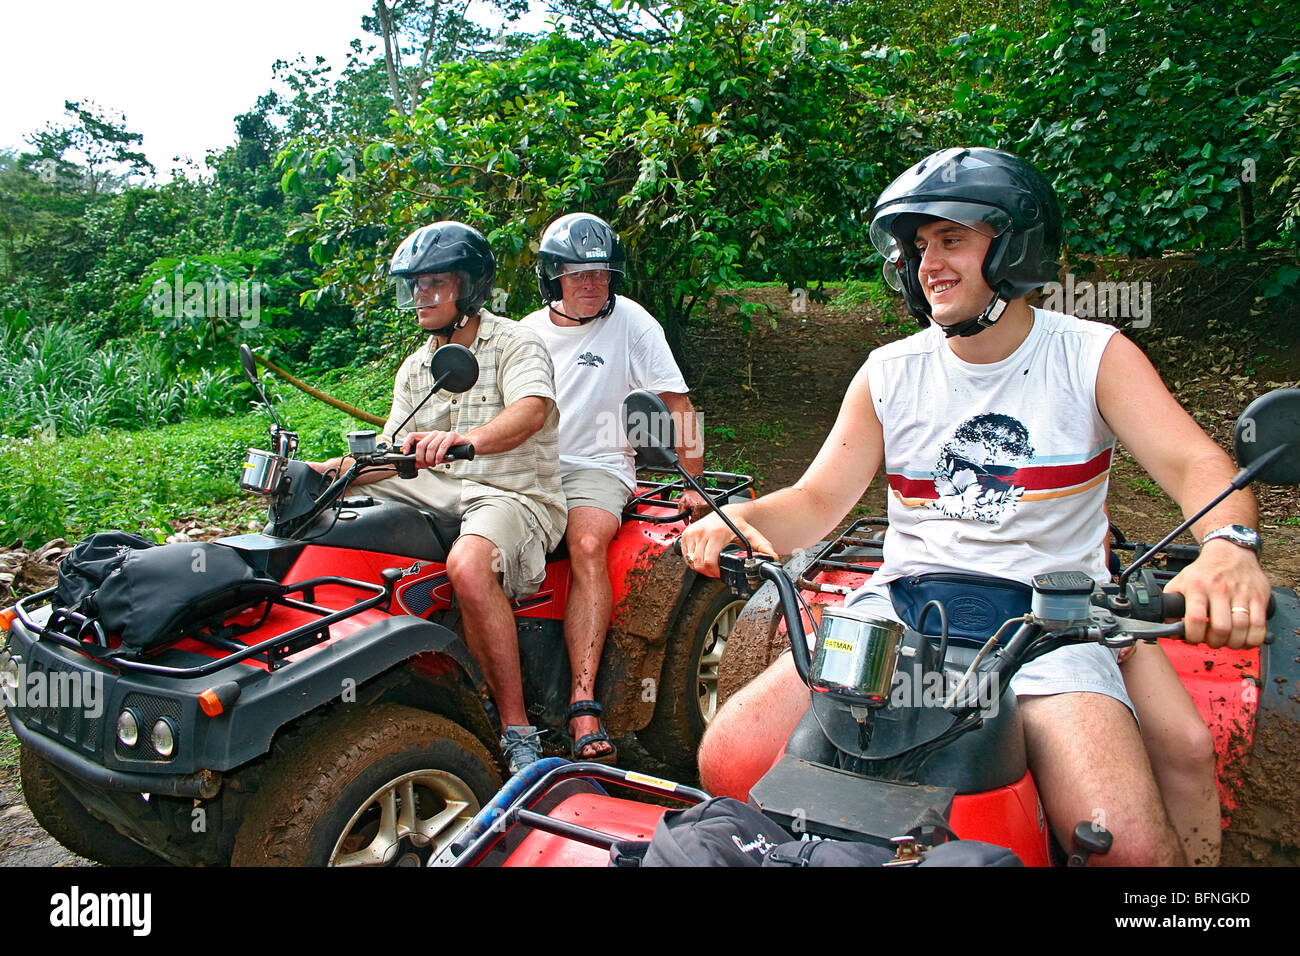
[[406, 821], [715, 642]]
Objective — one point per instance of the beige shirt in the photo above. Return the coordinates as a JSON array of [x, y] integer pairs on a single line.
[[513, 364]]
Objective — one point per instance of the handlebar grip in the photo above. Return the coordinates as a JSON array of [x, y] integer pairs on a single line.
[[463, 452], [1173, 605]]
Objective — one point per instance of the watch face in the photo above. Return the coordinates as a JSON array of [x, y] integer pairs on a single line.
[[1237, 534]]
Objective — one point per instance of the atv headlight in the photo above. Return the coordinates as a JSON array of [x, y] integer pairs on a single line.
[[128, 728], [163, 738]]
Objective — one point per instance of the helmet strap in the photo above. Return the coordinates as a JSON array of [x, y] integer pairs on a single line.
[[605, 310], [447, 331], [978, 323]]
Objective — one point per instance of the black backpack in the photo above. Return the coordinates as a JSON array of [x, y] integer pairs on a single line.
[[725, 832], [84, 568], [148, 593]]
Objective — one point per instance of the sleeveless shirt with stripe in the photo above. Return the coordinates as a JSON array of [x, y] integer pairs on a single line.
[[996, 469]]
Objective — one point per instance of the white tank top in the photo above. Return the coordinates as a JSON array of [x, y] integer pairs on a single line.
[[995, 469]]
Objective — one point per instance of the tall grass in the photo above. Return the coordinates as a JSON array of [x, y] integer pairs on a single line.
[[143, 479], [54, 379]]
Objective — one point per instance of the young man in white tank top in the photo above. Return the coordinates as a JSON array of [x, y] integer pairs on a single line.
[[995, 427]]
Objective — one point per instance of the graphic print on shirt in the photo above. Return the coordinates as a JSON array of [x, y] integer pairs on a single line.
[[988, 467], [587, 358], [976, 474]]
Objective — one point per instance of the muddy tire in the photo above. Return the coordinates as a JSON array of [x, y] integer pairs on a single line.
[[374, 786], [65, 819], [688, 689]]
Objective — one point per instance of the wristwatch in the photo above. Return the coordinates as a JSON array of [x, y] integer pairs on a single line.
[[1238, 534]]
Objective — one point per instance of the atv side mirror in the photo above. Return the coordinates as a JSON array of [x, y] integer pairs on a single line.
[[1269, 429], [250, 371], [650, 430], [454, 369], [249, 363]]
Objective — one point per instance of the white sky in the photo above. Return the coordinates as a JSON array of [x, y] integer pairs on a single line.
[[178, 69]]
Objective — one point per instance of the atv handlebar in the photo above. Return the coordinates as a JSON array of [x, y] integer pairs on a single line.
[[405, 464], [1115, 621]]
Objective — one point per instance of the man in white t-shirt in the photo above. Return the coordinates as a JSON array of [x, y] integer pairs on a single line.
[[995, 428], [603, 346]]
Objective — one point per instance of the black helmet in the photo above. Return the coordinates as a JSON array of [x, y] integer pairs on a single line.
[[445, 247], [988, 190], [582, 238]]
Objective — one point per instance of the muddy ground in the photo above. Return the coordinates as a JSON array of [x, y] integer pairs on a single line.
[[768, 397]]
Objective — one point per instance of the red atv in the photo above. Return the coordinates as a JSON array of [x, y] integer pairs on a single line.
[[903, 725], [339, 719]]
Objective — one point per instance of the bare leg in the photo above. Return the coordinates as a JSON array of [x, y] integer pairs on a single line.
[[742, 741], [1181, 750], [587, 613], [489, 623], [1089, 763]]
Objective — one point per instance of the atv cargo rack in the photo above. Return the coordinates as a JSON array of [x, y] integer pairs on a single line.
[[857, 550], [549, 799], [85, 635], [722, 487]]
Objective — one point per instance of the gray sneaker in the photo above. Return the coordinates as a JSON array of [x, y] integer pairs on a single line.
[[521, 746]]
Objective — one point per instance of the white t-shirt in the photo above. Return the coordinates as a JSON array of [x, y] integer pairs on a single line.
[[596, 365], [1000, 468]]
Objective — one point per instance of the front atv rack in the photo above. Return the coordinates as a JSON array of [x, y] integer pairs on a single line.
[[654, 495], [858, 550], [85, 635]]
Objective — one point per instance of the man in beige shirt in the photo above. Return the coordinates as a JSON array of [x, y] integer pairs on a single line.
[[509, 499]]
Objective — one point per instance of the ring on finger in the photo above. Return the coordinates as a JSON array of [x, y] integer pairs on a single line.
[[1243, 610]]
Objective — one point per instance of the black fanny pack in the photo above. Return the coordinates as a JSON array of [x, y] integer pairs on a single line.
[[976, 604]]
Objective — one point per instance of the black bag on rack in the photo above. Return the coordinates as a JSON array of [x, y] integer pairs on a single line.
[[84, 568], [148, 593]]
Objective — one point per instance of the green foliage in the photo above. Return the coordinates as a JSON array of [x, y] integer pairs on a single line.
[[139, 480], [53, 379], [101, 148], [1146, 113], [875, 291], [727, 153]]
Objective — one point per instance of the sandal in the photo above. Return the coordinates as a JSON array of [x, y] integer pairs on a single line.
[[589, 708]]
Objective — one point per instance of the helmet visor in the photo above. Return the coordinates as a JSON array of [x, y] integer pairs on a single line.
[[426, 290], [896, 222], [551, 269]]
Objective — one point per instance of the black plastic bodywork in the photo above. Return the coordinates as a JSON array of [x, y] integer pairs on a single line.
[[89, 750]]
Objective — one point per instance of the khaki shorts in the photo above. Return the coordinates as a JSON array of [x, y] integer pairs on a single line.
[[505, 522], [596, 488], [520, 544]]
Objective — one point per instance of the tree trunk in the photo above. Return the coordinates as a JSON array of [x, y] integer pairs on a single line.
[[318, 394], [386, 25], [1247, 204]]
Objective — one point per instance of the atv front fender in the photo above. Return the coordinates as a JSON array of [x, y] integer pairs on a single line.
[[757, 639], [634, 650], [1267, 813], [325, 675]]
